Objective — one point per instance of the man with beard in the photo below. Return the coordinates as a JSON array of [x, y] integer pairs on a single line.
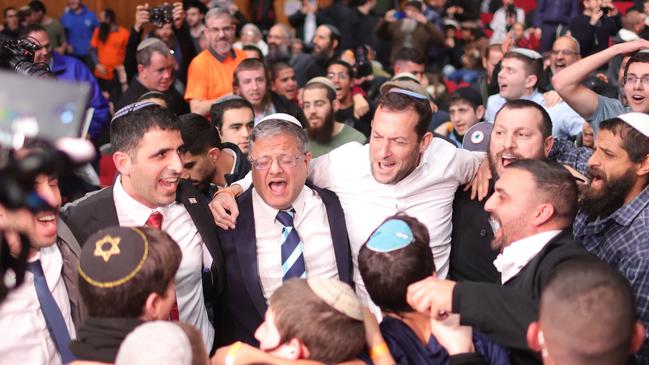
[[325, 133], [533, 206], [325, 47], [522, 130], [614, 215], [279, 44], [210, 74], [250, 81]]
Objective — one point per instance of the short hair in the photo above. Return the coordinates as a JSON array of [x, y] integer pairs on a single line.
[[387, 275], [334, 34], [217, 13], [199, 352], [252, 47], [144, 55], [457, 98], [398, 102], [413, 55], [330, 335], [154, 95], [493, 47], [127, 131], [546, 121], [277, 67], [37, 5], [638, 57], [188, 4], [588, 307], [630, 19], [532, 66], [274, 127], [198, 135], [218, 109], [347, 66], [7, 9], [32, 28], [331, 94], [555, 182], [634, 142], [574, 40], [247, 65], [128, 299]]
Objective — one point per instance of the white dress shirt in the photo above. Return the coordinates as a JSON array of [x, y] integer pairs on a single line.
[[426, 194], [24, 333], [312, 226], [515, 256], [179, 225]]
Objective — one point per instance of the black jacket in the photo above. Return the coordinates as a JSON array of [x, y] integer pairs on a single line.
[[177, 103]]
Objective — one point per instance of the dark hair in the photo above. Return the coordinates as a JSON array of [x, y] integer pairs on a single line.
[[218, 109], [555, 182], [397, 102], [247, 65], [32, 28], [330, 335], [7, 9], [252, 47], [492, 47], [587, 295], [37, 5], [532, 66], [154, 95], [144, 55], [331, 94], [127, 131], [634, 143], [638, 57], [188, 4], [457, 98], [410, 54], [198, 135], [276, 68], [127, 300], [347, 66], [104, 29], [334, 35], [546, 122], [387, 275]]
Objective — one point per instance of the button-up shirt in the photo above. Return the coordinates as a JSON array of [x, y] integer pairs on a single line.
[[515, 256], [622, 240]]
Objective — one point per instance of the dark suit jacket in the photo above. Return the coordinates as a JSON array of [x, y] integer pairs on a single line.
[[504, 312], [243, 304], [97, 210]]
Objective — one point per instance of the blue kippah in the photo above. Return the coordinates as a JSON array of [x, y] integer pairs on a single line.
[[391, 235]]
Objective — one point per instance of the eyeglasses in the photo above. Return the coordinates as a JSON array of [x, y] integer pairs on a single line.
[[284, 161], [565, 52], [631, 79]]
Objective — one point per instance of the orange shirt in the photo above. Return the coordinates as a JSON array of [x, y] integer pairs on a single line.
[[112, 52], [208, 78]]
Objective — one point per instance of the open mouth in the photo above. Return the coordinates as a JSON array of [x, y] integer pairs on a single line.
[[386, 165], [278, 187], [169, 183], [506, 160], [638, 98]]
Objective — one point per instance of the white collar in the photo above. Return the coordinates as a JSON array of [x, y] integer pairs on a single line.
[[627, 35], [137, 211], [270, 212], [515, 256]]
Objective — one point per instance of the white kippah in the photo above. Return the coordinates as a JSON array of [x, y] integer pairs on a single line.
[[338, 295], [157, 342], [639, 121], [280, 116], [527, 53]]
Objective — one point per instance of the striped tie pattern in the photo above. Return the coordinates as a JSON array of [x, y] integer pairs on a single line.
[[292, 249]]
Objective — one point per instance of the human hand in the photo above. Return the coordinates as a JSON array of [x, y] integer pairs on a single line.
[[361, 106], [141, 16], [178, 15], [595, 16], [389, 16], [225, 210], [551, 98], [431, 296], [455, 338], [101, 69], [479, 186]]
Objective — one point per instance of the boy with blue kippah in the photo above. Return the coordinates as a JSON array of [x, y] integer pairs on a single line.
[[396, 255]]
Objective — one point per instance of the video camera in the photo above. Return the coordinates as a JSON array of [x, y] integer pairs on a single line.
[[161, 15], [18, 55]]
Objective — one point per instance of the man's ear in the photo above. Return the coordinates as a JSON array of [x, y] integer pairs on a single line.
[[480, 111], [294, 349], [335, 104], [149, 312], [425, 141], [140, 68], [213, 154], [547, 145], [531, 81], [122, 162], [638, 338], [643, 168], [544, 212], [535, 336]]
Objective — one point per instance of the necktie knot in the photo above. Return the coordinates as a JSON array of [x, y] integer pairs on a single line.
[[285, 217], [155, 220], [35, 268]]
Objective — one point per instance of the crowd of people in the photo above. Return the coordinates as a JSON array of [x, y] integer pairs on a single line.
[[444, 182]]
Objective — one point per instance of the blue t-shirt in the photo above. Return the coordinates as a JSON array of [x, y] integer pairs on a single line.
[[79, 29]]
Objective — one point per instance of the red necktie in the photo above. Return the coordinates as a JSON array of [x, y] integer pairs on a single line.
[[155, 221]]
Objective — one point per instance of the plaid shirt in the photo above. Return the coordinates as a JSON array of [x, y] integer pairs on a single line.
[[566, 153], [622, 240]]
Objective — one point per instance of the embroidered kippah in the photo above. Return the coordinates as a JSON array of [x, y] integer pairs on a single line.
[[280, 116], [113, 256], [392, 235], [131, 108], [338, 295], [527, 53]]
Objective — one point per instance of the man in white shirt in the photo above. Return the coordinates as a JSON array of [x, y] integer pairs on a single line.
[[403, 168], [518, 79], [149, 191], [34, 329], [287, 229], [533, 206]]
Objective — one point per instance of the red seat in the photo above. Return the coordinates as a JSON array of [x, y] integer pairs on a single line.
[[526, 5], [107, 170], [623, 6], [485, 18]]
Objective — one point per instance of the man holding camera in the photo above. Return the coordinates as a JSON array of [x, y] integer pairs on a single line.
[[210, 73], [593, 27]]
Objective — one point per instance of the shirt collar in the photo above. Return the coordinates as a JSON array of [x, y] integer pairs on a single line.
[[137, 211], [269, 212], [515, 256], [626, 214], [220, 58]]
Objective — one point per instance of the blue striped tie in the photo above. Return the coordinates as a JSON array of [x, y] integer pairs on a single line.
[[292, 256], [52, 313]]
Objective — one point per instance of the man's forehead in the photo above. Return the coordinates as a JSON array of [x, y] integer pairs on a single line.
[[523, 118], [253, 72], [222, 20], [323, 31], [639, 68], [315, 94]]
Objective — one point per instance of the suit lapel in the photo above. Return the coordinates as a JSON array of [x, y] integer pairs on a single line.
[[245, 244]]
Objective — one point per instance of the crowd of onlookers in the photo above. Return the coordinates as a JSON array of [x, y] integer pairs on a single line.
[[423, 182]]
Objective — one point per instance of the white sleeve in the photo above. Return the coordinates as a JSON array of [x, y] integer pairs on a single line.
[[467, 164], [245, 182]]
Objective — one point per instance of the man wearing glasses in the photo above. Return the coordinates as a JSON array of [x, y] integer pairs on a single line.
[[565, 52], [287, 228], [210, 73]]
